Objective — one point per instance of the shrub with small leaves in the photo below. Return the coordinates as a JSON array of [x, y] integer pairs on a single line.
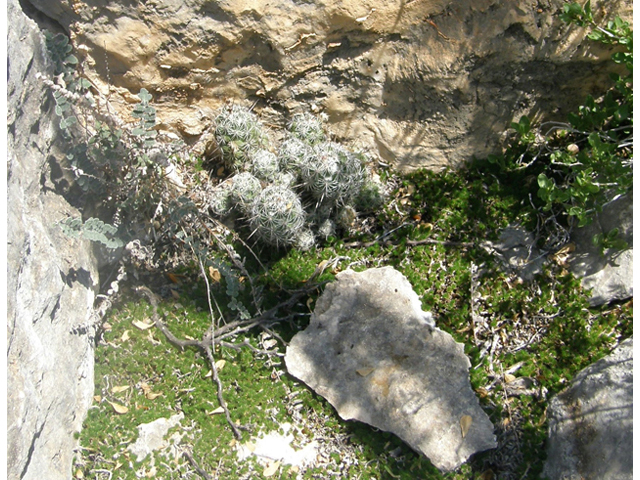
[[93, 229]]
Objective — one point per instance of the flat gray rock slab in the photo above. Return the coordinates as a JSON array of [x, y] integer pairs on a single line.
[[591, 422], [608, 276], [374, 354]]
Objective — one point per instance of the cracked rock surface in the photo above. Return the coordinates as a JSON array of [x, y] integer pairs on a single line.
[[591, 422], [374, 354]]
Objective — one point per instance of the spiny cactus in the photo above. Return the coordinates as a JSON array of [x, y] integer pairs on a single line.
[[305, 240], [371, 195], [238, 132], [277, 216], [264, 165], [307, 128], [220, 201], [333, 174], [332, 180], [292, 153], [346, 216], [244, 190], [326, 229]]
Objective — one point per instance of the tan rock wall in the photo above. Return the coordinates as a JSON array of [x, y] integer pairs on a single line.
[[416, 82]]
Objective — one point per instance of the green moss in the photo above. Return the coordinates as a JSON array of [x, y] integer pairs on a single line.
[[468, 206]]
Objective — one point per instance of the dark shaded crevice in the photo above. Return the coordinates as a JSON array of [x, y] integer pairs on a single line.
[[41, 19], [32, 448]]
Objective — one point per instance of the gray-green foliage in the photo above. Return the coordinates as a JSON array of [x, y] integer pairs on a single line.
[[323, 177], [93, 229]]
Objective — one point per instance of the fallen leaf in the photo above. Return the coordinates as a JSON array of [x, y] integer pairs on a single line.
[[119, 409], [142, 325], [97, 398], [175, 294], [145, 388], [119, 388], [79, 474], [125, 336], [220, 364], [173, 277], [465, 424], [209, 374], [217, 411], [220, 172], [267, 344], [214, 273], [152, 395], [363, 372], [106, 326], [508, 378], [309, 303], [153, 340], [271, 469]]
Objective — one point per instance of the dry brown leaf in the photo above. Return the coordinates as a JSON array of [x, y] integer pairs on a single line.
[[152, 395], [145, 388], [220, 172], [363, 372], [465, 424], [119, 409], [175, 294], [119, 388], [267, 344], [142, 325], [97, 398], [214, 274], [508, 378], [125, 336], [271, 469]]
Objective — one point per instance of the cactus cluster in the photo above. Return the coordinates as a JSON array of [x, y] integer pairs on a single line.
[[238, 132], [307, 191]]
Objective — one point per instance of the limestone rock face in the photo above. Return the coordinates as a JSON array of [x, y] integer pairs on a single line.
[[416, 83], [608, 275], [374, 354], [591, 422], [51, 279]]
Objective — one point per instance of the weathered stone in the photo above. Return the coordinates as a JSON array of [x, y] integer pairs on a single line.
[[151, 436], [374, 354], [51, 279], [417, 83], [591, 422], [608, 275], [517, 252]]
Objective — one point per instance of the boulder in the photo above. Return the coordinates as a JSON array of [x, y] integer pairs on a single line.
[[374, 354], [591, 422], [607, 274], [51, 279], [415, 83]]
